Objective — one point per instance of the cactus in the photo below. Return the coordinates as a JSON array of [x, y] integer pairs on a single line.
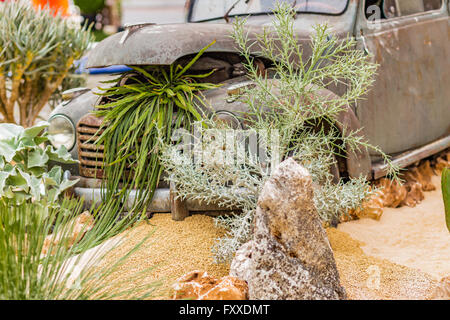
[[445, 183]]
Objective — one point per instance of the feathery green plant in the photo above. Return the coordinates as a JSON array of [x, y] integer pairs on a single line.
[[37, 50], [289, 103], [153, 103]]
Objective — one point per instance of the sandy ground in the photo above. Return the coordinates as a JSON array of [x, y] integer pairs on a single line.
[[414, 237], [370, 278], [402, 256], [175, 248]]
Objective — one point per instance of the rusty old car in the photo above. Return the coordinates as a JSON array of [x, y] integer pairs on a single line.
[[406, 114]]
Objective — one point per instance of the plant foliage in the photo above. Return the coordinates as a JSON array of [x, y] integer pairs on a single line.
[[445, 184], [37, 51], [28, 273], [90, 6], [138, 114], [24, 171], [288, 102]]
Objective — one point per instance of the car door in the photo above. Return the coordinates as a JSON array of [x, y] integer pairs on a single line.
[[409, 104]]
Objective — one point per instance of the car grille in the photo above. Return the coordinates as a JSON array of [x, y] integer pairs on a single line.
[[90, 154]]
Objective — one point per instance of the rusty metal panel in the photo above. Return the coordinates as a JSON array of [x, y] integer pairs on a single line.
[[409, 105], [160, 44], [408, 158], [150, 44]]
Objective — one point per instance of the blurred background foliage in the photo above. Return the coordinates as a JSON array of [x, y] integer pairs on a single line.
[[90, 6], [37, 52]]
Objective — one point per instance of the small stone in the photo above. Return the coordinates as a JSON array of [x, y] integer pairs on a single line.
[[78, 227], [227, 288], [426, 173], [415, 194], [442, 162], [442, 291], [198, 285], [371, 208], [394, 192]]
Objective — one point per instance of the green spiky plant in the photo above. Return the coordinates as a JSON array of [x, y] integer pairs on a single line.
[[37, 50], [155, 102], [27, 272], [445, 185]]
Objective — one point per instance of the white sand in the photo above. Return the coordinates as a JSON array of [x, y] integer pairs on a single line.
[[413, 237]]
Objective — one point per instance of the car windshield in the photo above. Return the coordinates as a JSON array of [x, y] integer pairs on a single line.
[[214, 9]]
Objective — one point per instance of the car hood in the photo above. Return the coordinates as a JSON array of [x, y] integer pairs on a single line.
[[149, 44]]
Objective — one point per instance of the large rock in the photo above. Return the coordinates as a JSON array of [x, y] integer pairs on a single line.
[[291, 256], [241, 265], [199, 285]]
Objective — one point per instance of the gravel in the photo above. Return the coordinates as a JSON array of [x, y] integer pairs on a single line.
[[174, 248], [366, 277]]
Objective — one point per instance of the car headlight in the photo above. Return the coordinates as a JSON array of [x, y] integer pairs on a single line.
[[228, 118], [61, 131]]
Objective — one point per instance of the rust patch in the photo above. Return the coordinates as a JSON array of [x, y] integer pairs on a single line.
[[90, 155]]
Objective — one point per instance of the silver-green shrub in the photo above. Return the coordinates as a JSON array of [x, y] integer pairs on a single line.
[[293, 107]]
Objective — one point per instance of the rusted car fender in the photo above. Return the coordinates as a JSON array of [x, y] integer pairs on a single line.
[[149, 44], [358, 162]]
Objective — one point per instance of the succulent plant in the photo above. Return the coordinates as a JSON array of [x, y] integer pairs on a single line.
[[37, 50], [23, 166]]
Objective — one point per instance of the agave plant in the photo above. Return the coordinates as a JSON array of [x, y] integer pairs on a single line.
[[140, 114], [37, 50]]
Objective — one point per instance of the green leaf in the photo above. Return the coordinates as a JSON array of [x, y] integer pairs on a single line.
[[53, 177], [40, 139], [18, 179], [37, 171], [3, 176], [10, 131], [66, 184], [186, 68], [37, 158], [20, 197], [36, 188], [60, 155], [8, 149], [34, 131]]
